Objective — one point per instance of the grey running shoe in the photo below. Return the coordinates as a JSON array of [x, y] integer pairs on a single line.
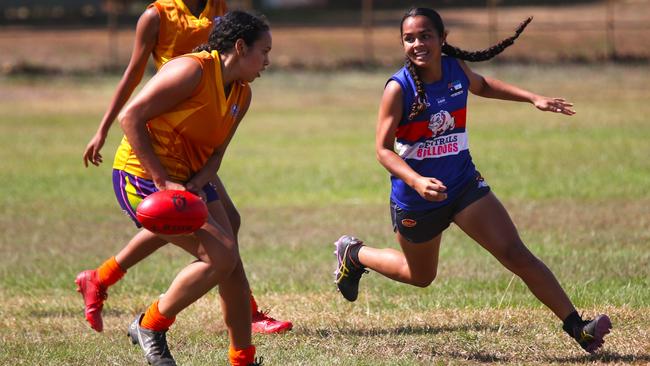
[[154, 344], [591, 332], [347, 274]]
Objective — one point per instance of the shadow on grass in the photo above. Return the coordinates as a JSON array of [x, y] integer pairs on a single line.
[[482, 357], [473, 356], [479, 356], [404, 330], [602, 357], [71, 313]]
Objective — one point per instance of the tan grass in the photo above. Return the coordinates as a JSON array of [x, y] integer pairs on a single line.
[[341, 331], [558, 33]]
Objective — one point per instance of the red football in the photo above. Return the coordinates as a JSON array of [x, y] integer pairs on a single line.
[[172, 212]]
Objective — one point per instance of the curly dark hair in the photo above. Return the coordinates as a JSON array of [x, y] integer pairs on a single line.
[[419, 105], [232, 26]]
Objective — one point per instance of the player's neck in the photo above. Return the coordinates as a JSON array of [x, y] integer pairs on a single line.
[[431, 74], [227, 65], [195, 6]]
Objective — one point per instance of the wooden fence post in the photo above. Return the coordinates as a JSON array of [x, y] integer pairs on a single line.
[[366, 21], [492, 21], [111, 8], [610, 32]]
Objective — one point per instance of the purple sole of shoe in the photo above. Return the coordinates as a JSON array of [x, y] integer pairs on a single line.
[[602, 328]]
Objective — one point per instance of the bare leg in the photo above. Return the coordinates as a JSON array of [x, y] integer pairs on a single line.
[[261, 321], [234, 218], [236, 312], [218, 264], [488, 223], [139, 247], [417, 265]]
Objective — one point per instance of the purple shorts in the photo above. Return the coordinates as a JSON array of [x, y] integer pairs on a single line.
[[130, 190]]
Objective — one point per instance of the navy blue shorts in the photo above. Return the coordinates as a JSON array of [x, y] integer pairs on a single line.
[[422, 226]]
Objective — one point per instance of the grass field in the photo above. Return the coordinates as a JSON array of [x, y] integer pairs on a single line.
[[302, 171]]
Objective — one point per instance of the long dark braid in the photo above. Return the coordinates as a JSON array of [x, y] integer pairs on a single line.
[[419, 104], [488, 53]]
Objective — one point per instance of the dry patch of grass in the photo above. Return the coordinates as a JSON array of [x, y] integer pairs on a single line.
[[390, 324], [328, 331]]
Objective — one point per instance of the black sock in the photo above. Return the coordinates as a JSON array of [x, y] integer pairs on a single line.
[[571, 322], [354, 256]]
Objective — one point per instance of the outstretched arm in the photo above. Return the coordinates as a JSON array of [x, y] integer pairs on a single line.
[[493, 88], [146, 36], [390, 114]]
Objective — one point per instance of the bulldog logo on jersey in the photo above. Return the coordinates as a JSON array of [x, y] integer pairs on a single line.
[[441, 122]]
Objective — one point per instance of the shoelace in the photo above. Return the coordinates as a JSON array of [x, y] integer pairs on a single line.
[[584, 336], [344, 271], [264, 315], [102, 293]]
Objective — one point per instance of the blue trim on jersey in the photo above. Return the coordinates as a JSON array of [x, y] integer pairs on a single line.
[[444, 97]]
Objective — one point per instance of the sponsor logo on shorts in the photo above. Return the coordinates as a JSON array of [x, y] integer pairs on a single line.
[[409, 222], [481, 181]]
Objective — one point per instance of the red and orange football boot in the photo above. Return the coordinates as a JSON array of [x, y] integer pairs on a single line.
[[264, 324], [94, 295]]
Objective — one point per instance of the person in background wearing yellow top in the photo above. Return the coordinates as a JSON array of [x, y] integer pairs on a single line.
[[166, 29], [207, 93]]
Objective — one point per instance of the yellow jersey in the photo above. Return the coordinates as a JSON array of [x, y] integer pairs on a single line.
[[186, 136], [180, 31]]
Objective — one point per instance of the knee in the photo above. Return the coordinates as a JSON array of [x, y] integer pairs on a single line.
[[423, 281], [223, 267], [238, 277]]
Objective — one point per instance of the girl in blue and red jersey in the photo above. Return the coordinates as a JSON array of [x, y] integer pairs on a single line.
[[421, 139]]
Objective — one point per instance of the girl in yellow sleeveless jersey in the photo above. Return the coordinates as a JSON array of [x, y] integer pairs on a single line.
[[207, 93], [168, 28]]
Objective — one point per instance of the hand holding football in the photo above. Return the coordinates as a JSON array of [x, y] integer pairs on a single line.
[[172, 212]]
